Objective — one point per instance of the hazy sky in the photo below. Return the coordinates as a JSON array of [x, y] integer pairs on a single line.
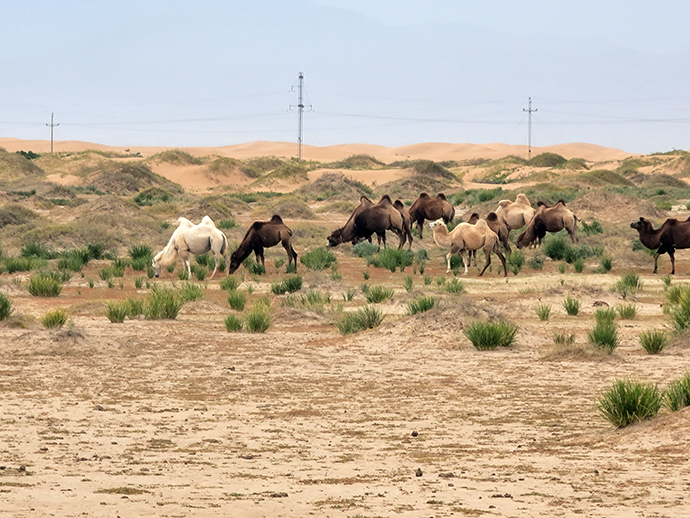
[[389, 72]]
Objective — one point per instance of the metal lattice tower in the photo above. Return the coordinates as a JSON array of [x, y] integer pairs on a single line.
[[300, 112], [52, 125], [529, 128]]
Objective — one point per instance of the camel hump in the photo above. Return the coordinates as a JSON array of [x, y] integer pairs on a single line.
[[276, 219], [424, 196], [492, 216], [521, 198], [398, 204], [561, 201], [481, 224], [441, 196], [541, 204], [504, 203], [386, 198], [364, 199], [473, 218]]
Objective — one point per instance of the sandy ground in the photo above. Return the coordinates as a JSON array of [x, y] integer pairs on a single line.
[[182, 418]]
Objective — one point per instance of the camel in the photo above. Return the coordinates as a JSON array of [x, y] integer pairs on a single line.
[[516, 214], [497, 225], [466, 237], [369, 219], [260, 235], [549, 219], [192, 239], [425, 207], [407, 221], [672, 235]]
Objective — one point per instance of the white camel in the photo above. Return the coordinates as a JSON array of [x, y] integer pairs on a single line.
[[189, 238], [466, 237]]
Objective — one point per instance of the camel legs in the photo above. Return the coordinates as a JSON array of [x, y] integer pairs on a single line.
[[292, 255], [183, 254]]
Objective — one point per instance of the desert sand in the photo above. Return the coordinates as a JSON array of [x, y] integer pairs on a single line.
[[181, 418]]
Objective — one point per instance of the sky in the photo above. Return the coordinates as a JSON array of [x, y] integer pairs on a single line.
[[388, 72]]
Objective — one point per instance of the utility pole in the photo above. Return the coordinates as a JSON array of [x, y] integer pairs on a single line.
[[529, 128], [52, 125], [300, 110]]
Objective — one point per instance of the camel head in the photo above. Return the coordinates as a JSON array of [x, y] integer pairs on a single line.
[[438, 223], [235, 262], [335, 238], [527, 237], [641, 224], [155, 263]]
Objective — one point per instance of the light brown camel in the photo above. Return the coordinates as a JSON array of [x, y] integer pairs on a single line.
[[466, 237], [516, 214], [669, 237], [260, 235], [425, 207], [549, 219], [497, 225]]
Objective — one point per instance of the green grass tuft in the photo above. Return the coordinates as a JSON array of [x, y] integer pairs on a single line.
[[627, 402], [653, 341], [487, 336]]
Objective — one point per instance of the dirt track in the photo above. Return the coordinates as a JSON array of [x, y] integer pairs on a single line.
[[181, 418]]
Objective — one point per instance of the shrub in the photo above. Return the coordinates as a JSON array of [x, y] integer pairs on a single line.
[[289, 284], [318, 259], [421, 305], [391, 259], [605, 264], [454, 286], [259, 319], [487, 336], [543, 311], [365, 249], [367, 317], [653, 341], [604, 336], [140, 252], [117, 311], [73, 260], [199, 271], [229, 283], [591, 228], [536, 262], [23, 264], [408, 283], [679, 297], [37, 251], [377, 294], [227, 224], [237, 300], [628, 402], [54, 319], [190, 292], [5, 306], [556, 247], [233, 324], [626, 311], [162, 303], [677, 394], [515, 261], [44, 284], [605, 316], [562, 339], [628, 283], [571, 306], [578, 265]]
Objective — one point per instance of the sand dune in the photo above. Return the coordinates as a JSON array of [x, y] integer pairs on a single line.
[[437, 151]]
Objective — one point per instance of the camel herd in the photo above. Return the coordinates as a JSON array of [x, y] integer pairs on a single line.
[[371, 218]]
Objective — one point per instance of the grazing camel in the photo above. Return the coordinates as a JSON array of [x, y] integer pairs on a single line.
[[671, 236], [369, 219], [549, 219], [466, 237], [425, 207], [260, 235], [192, 239], [515, 214]]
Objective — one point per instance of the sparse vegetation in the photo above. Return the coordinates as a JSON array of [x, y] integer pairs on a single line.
[[44, 284], [421, 305], [5, 306], [378, 294], [627, 402], [487, 336], [318, 259], [571, 306], [653, 341], [677, 394], [543, 311], [367, 317], [54, 318]]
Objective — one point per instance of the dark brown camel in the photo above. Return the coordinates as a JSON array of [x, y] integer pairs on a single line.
[[497, 225], [368, 219], [407, 221], [671, 236], [260, 235], [425, 207], [549, 219]]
